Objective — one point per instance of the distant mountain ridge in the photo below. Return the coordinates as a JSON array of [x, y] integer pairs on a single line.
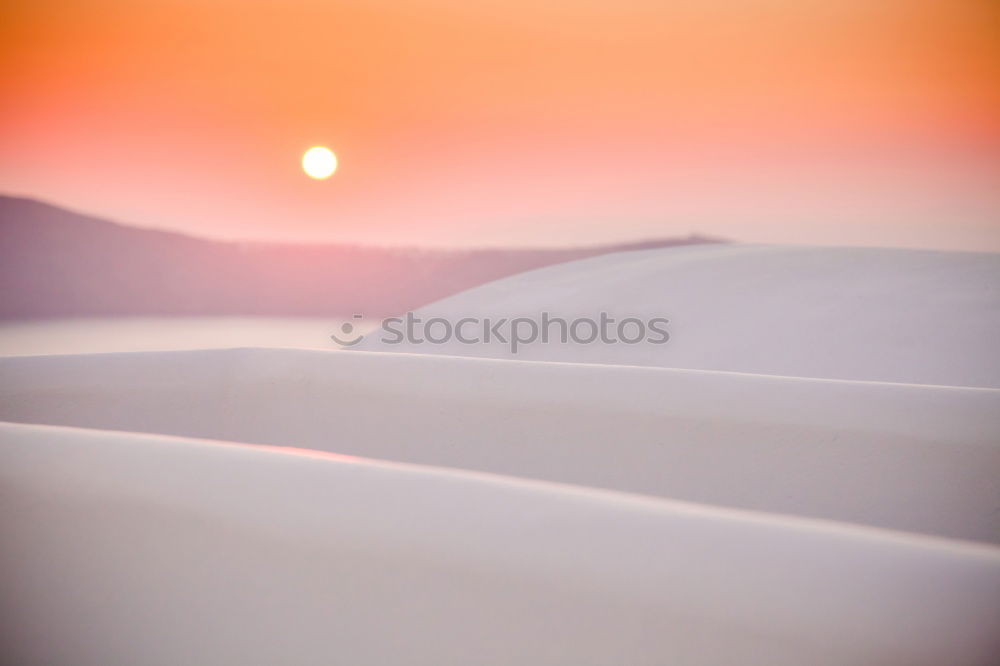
[[57, 263]]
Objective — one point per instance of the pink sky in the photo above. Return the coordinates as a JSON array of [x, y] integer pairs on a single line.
[[515, 123]]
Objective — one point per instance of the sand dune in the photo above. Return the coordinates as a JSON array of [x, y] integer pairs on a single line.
[[908, 316], [918, 458], [133, 549], [815, 482]]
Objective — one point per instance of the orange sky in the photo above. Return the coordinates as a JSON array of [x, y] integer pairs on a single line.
[[513, 122]]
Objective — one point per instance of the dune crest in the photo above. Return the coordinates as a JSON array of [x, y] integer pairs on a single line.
[[913, 458], [905, 316]]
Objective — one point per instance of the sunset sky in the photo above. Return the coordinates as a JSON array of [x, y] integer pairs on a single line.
[[513, 122]]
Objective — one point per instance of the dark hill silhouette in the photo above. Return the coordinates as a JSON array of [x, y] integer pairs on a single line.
[[57, 263]]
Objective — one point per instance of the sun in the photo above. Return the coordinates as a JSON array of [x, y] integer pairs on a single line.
[[319, 162]]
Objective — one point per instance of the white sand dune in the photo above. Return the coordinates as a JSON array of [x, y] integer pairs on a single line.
[[132, 549], [908, 316], [815, 482], [917, 458]]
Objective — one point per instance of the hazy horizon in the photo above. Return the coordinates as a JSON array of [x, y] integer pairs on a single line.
[[568, 244], [198, 235]]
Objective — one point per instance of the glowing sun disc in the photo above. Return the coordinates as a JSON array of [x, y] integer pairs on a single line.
[[319, 162]]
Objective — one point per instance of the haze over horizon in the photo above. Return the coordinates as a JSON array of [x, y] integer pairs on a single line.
[[512, 124]]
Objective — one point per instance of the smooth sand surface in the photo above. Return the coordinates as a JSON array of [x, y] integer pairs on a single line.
[[917, 458], [807, 473], [907, 316], [136, 549]]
